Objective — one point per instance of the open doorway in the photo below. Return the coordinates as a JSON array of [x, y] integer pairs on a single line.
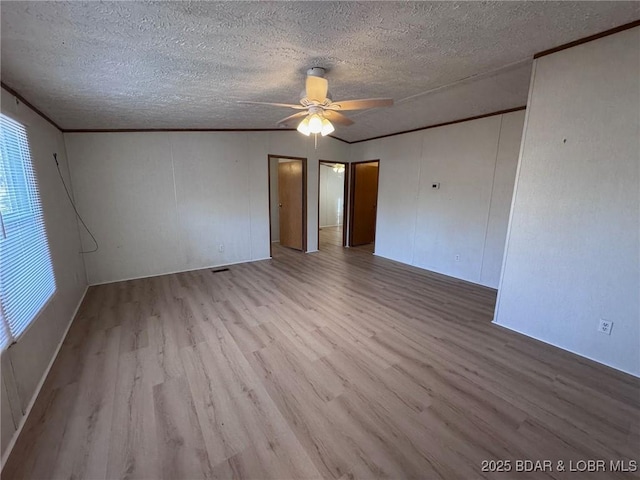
[[332, 199], [363, 204], [288, 202]]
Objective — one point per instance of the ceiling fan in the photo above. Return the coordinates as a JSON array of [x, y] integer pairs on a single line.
[[318, 111]]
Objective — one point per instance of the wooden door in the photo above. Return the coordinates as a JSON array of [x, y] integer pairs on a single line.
[[290, 203], [365, 203]]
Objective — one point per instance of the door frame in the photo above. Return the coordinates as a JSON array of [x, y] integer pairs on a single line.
[[352, 185], [304, 197], [345, 198]]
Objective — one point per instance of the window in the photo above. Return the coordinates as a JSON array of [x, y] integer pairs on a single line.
[[26, 273]]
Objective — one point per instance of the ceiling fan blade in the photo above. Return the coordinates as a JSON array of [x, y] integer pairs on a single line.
[[316, 88], [287, 105], [286, 121], [336, 117], [361, 104]]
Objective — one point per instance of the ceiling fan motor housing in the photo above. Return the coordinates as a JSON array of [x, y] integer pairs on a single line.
[[317, 107], [316, 72], [303, 96]]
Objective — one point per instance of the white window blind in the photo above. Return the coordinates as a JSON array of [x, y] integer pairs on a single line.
[[26, 273]]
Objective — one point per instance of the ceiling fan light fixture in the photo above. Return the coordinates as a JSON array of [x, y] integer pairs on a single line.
[[303, 127], [316, 102], [315, 123], [327, 127]]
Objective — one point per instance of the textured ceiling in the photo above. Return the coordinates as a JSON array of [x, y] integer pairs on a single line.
[[139, 64]]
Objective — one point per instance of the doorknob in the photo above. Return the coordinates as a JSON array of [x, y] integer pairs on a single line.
[[280, 205]]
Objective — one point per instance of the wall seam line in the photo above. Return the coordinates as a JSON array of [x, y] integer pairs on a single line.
[[248, 157], [415, 221], [493, 186], [175, 192]]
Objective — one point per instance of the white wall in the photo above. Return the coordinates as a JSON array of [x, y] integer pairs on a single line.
[[34, 350], [572, 254], [165, 202], [475, 163], [331, 196]]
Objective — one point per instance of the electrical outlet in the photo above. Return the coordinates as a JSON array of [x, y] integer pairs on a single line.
[[457, 257], [221, 247], [605, 326]]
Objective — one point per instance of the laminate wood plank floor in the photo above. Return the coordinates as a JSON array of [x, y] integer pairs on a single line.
[[334, 365], [332, 237]]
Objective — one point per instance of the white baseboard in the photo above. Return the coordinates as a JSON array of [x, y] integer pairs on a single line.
[[444, 274], [179, 271], [567, 350], [23, 420]]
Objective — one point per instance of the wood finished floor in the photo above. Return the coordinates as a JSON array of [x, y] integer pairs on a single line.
[[332, 237], [335, 365]]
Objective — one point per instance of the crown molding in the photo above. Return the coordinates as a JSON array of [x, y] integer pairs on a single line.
[[590, 38], [21, 99]]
